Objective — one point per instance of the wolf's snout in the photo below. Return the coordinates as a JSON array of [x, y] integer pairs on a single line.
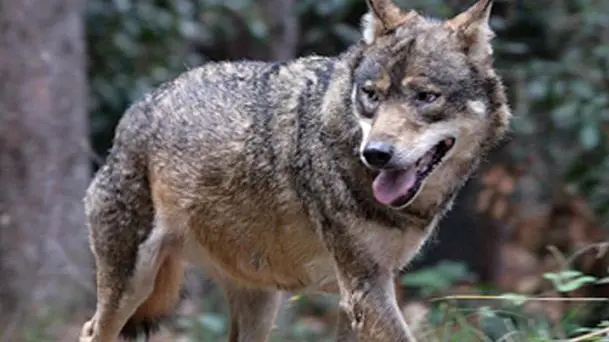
[[378, 153]]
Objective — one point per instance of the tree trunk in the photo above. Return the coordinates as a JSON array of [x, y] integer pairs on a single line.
[[44, 256]]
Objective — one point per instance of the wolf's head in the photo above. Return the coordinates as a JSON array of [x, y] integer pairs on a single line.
[[427, 98]]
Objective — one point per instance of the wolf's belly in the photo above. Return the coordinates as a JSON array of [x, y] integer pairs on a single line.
[[288, 257]]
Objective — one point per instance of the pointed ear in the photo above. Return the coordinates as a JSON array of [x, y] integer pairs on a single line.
[[474, 29], [383, 17]]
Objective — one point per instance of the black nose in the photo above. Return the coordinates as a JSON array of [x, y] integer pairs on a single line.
[[378, 153]]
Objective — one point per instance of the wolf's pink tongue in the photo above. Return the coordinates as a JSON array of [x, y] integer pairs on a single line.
[[389, 186]]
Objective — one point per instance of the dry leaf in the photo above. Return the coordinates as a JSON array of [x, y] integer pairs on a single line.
[[507, 185], [483, 201], [500, 208], [492, 177]]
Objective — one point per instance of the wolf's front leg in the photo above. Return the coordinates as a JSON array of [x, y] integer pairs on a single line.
[[344, 333], [369, 310]]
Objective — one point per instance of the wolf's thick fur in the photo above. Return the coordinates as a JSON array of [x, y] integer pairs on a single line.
[[263, 173]]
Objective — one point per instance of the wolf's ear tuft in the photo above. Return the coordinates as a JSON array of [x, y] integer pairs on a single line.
[[383, 17], [475, 30]]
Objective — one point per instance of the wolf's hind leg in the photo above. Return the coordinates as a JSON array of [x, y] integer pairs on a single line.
[[252, 312], [120, 295], [137, 261]]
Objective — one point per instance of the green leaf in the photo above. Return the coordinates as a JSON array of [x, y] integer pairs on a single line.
[[589, 136], [567, 274], [515, 298], [575, 284], [563, 275], [213, 322], [582, 89], [569, 280], [565, 116], [258, 28], [486, 312], [437, 278]]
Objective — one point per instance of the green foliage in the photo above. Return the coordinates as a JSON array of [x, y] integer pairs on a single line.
[[569, 280], [206, 327], [560, 100], [212, 323], [39, 327], [133, 46], [506, 317], [436, 279]]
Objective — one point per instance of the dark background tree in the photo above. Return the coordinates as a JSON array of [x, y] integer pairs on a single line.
[[44, 163], [540, 198]]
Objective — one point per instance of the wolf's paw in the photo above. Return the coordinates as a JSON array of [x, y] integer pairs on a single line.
[[86, 334]]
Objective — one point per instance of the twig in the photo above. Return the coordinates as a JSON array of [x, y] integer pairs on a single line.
[[592, 334], [585, 249], [534, 299], [560, 258]]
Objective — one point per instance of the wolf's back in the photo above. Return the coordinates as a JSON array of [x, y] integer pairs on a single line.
[[218, 102], [230, 122]]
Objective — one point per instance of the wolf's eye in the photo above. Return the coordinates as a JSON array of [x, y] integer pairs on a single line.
[[426, 97], [369, 99], [371, 94]]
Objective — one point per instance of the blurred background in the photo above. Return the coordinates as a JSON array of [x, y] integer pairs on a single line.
[[526, 240]]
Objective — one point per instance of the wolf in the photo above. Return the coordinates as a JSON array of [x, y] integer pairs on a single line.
[[318, 174]]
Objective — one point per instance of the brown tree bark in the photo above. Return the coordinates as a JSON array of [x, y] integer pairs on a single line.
[[44, 257]]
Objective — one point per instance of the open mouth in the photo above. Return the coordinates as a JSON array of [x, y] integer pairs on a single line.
[[399, 187]]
